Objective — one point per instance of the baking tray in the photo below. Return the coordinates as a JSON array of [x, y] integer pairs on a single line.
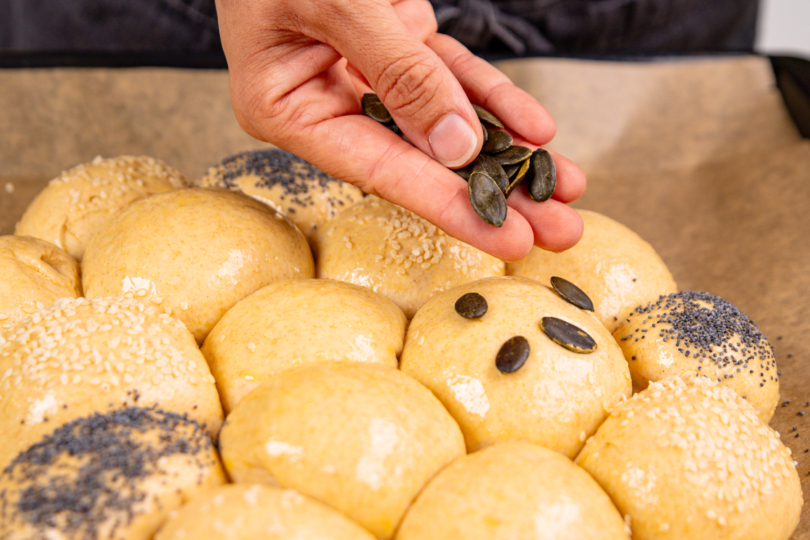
[[701, 156]]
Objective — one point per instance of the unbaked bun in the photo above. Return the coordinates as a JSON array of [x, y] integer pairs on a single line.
[[294, 322], [196, 252], [114, 475], [391, 250], [556, 399], [305, 194], [33, 274], [251, 511], [79, 356], [693, 331], [362, 438], [690, 460], [513, 490], [82, 200], [611, 263]]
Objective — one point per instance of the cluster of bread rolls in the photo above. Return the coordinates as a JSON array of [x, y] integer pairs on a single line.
[[268, 353]]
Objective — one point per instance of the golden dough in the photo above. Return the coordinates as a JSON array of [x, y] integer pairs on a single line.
[[305, 194], [557, 399], [196, 252], [251, 511], [362, 438], [698, 332], [33, 274], [294, 322], [690, 460], [82, 200], [82, 356], [513, 490], [115, 475], [382, 246], [613, 265]]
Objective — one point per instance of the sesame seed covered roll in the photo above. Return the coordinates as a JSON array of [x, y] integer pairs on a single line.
[[82, 356]]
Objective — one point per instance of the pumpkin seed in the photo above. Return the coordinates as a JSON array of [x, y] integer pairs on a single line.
[[393, 127], [568, 335], [464, 172], [487, 198], [541, 178], [571, 293], [512, 354], [498, 141], [471, 305], [518, 177], [374, 108], [513, 155], [486, 133], [487, 117], [492, 168]]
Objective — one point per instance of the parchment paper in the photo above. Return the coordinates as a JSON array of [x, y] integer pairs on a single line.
[[698, 156]]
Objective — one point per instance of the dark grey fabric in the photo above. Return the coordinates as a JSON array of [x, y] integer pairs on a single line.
[[109, 25], [509, 27]]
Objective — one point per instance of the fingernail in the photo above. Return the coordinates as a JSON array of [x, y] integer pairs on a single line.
[[452, 141]]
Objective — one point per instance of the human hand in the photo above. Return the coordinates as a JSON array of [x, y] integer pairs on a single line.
[[297, 68]]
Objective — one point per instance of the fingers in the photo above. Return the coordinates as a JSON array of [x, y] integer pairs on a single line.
[[555, 225], [493, 90], [423, 96], [418, 17]]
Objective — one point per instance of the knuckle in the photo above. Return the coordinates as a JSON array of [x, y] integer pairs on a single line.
[[408, 83]]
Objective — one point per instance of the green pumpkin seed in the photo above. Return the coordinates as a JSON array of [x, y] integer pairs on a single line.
[[571, 293], [487, 117], [492, 168], [464, 172], [512, 354], [471, 305], [393, 127], [518, 177], [487, 198], [486, 133], [568, 335], [513, 155], [541, 178], [374, 108], [498, 141]]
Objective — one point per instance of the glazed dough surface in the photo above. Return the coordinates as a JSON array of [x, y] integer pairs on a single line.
[[611, 263], [81, 356], [513, 490], [305, 194], [196, 252], [702, 333], [557, 399], [294, 322], [251, 511], [33, 274], [392, 251], [362, 438], [690, 460], [82, 200]]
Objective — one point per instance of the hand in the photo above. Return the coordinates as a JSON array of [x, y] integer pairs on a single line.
[[298, 66]]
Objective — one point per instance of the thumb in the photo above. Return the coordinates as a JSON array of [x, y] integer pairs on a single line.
[[418, 89]]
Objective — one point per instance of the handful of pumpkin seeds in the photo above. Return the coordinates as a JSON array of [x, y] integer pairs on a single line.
[[498, 169]]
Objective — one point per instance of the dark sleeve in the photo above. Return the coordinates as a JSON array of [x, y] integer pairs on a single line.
[[526, 27], [108, 25]]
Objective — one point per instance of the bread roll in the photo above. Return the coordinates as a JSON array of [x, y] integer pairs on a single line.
[[82, 200], [382, 246], [33, 274], [362, 438], [196, 252], [294, 322], [513, 490], [114, 475], [250, 511], [82, 356], [305, 194], [690, 460], [698, 332], [611, 263], [556, 399]]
